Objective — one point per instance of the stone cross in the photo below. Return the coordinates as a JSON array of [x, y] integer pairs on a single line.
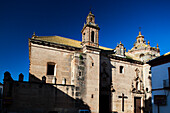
[[122, 100]]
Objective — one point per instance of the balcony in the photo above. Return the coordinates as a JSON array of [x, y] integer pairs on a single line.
[[166, 83]]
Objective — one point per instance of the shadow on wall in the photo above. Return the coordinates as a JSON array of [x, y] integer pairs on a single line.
[[37, 96], [106, 86], [148, 106]]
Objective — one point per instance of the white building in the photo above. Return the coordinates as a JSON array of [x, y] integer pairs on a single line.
[[160, 84]]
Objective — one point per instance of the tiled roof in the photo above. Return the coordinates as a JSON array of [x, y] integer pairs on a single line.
[[166, 54], [64, 41]]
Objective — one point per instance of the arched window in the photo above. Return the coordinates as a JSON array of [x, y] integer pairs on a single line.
[[138, 41], [91, 19], [92, 36], [141, 55], [121, 51]]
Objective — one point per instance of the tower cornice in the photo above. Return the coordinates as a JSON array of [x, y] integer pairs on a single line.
[[90, 25]]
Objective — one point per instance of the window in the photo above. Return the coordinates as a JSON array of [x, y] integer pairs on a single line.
[[77, 88], [92, 96], [121, 69], [141, 55], [50, 68], [80, 74], [78, 94], [92, 64], [146, 89], [83, 36], [121, 51], [91, 19], [92, 36]]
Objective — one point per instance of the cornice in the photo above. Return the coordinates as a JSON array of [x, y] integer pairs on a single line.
[[55, 45]]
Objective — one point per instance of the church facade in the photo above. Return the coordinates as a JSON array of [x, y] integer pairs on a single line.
[[105, 79]]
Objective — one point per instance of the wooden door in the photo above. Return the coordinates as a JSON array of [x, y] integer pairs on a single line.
[[137, 105]]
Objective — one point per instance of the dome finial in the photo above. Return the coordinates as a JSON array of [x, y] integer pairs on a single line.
[[148, 42], [157, 46], [140, 31], [90, 10]]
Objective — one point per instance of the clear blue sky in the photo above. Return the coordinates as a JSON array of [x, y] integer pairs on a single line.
[[119, 20]]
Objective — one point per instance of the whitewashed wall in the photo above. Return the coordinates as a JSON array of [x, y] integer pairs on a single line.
[[160, 73]]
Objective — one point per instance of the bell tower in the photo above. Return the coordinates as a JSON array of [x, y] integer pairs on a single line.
[[90, 31]]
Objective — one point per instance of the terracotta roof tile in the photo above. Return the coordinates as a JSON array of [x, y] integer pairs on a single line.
[[64, 41]]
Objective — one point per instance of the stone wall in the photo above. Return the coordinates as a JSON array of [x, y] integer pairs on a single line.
[[39, 97], [39, 57], [125, 82]]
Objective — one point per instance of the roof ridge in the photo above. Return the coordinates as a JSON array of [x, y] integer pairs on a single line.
[[57, 36]]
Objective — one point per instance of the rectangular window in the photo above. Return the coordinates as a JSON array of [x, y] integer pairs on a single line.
[[50, 68], [77, 88], [121, 69], [80, 74], [77, 93], [92, 36]]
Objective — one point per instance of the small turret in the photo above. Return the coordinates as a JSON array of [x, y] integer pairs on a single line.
[[157, 47], [120, 49], [33, 36], [90, 18], [90, 31]]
